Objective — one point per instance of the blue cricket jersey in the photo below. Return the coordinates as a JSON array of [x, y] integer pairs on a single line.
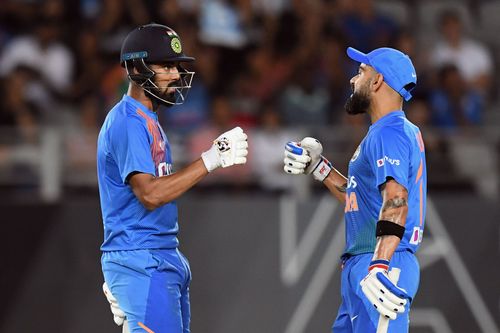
[[131, 140], [393, 147]]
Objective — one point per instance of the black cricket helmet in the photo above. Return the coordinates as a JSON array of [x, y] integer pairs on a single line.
[[156, 44]]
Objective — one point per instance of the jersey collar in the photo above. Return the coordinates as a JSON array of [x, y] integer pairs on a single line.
[[139, 105], [385, 119]]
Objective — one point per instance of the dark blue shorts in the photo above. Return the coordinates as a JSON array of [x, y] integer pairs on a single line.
[[152, 288], [356, 314]]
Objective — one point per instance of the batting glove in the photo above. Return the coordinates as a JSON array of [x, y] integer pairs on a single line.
[[385, 295], [118, 314], [305, 157], [296, 158], [228, 149]]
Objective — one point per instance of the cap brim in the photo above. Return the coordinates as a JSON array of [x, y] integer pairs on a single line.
[[357, 55], [182, 59]]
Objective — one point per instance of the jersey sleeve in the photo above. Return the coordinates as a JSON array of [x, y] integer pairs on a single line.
[[389, 156], [130, 147]]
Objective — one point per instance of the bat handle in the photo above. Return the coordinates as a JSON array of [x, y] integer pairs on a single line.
[[125, 327]]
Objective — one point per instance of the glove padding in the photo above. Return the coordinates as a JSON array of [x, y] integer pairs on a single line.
[[228, 149], [305, 158], [296, 158], [386, 296], [118, 314]]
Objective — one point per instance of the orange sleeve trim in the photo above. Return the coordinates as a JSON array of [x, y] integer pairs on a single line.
[[147, 329], [420, 171], [421, 190]]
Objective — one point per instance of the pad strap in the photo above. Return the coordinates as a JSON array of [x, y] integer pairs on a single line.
[[385, 228]]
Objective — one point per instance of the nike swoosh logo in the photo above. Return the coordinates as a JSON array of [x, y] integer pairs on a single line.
[[352, 319]]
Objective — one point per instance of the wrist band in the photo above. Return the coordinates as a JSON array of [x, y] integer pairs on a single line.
[[380, 263], [385, 228], [323, 169]]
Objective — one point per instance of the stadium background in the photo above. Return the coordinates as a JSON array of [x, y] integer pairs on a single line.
[[263, 247]]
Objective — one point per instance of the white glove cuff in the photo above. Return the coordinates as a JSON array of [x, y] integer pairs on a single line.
[[322, 170], [211, 159]]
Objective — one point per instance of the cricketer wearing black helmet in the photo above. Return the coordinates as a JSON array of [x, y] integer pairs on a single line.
[[147, 277], [150, 51]]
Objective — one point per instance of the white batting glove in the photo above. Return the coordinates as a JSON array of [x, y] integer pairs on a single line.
[[296, 158], [228, 149], [316, 164], [118, 314], [385, 295]]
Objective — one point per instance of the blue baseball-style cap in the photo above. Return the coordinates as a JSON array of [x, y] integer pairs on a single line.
[[394, 65]]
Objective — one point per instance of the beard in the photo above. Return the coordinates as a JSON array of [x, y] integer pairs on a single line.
[[170, 97], [359, 102], [162, 96]]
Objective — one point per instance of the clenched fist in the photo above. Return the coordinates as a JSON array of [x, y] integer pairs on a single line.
[[228, 149]]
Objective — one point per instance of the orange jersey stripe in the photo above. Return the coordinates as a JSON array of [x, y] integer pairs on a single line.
[[420, 171], [147, 329], [421, 199]]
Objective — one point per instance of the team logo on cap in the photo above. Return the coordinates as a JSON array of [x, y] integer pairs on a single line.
[[175, 43]]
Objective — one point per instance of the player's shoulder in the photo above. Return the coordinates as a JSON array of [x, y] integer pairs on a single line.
[[397, 125], [390, 128], [123, 118], [125, 112], [395, 130]]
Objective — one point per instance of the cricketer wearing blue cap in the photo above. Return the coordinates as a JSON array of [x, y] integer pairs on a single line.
[[384, 196]]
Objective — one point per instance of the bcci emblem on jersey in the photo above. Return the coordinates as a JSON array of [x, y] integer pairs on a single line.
[[223, 144]]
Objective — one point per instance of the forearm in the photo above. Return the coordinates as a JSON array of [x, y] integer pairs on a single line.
[[162, 190], [386, 245], [337, 184], [394, 209]]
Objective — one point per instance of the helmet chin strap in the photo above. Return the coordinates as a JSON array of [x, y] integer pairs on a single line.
[[145, 80]]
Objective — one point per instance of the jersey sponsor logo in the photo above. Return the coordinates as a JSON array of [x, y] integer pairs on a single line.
[[416, 236], [351, 202], [393, 161], [356, 154], [164, 169], [351, 182]]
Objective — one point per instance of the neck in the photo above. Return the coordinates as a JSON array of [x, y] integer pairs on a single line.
[[382, 106], [139, 95]]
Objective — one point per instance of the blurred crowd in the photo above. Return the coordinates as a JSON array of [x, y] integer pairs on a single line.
[[277, 68]]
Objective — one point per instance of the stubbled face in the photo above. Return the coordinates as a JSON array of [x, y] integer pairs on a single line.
[[166, 78], [360, 99]]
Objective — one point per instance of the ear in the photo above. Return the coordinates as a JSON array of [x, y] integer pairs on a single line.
[[377, 81]]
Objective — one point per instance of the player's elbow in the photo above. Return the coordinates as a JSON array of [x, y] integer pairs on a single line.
[[150, 201], [145, 190]]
